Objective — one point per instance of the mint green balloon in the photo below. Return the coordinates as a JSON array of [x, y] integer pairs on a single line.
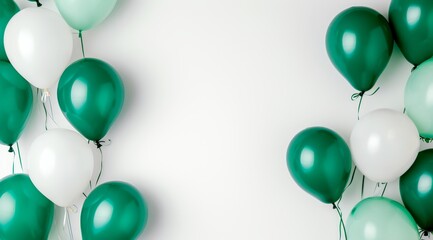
[[418, 98], [85, 14], [380, 218]]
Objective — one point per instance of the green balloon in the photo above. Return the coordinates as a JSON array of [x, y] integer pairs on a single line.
[[411, 22], [416, 189], [16, 103], [319, 160], [359, 43], [418, 98], [90, 94], [8, 8], [380, 218], [24, 212], [85, 14], [115, 211]]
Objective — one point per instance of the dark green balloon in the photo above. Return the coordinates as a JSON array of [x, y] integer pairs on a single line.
[[416, 189], [115, 211], [8, 8], [319, 160], [24, 212], [412, 23], [359, 43], [90, 94], [16, 104]]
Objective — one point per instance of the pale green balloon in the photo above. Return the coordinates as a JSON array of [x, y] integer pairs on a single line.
[[85, 14], [418, 98], [380, 218]]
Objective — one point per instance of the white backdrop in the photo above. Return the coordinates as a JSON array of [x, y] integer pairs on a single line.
[[215, 91]]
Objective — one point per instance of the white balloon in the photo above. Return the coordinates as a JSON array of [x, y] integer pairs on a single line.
[[39, 45], [384, 144], [60, 165]]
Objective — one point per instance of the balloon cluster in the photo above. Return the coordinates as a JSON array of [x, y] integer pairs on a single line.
[[35, 49], [384, 144]]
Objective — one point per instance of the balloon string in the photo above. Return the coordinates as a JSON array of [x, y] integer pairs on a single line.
[[102, 161], [362, 186], [80, 35], [67, 221], [11, 150], [360, 95], [342, 225], [46, 97], [384, 189], [19, 157]]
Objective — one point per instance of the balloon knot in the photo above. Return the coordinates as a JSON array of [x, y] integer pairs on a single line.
[[414, 68], [334, 206], [11, 150], [38, 3], [357, 95], [101, 143], [98, 144], [426, 140]]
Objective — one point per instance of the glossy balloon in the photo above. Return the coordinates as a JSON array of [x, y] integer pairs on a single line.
[[381, 218], [416, 189], [411, 22], [16, 103], [359, 43], [114, 210], [38, 43], [85, 14], [7, 9], [24, 212], [418, 98], [60, 164], [384, 144], [309, 157], [90, 94]]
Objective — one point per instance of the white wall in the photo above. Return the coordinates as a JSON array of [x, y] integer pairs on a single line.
[[215, 90]]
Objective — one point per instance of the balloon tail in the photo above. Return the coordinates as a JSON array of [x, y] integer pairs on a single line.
[[38, 3], [341, 226], [67, 224], [426, 140], [360, 95], [80, 35], [101, 166], [404, 110], [19, 157], [11, 150], [384, 188], [46, 98], [362, 186]]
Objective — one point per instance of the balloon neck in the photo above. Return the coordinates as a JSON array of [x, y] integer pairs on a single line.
[[414, 68], [45, 94], [98, 144], [426, 140], [72, 208], [11, 150], [38, 3]]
